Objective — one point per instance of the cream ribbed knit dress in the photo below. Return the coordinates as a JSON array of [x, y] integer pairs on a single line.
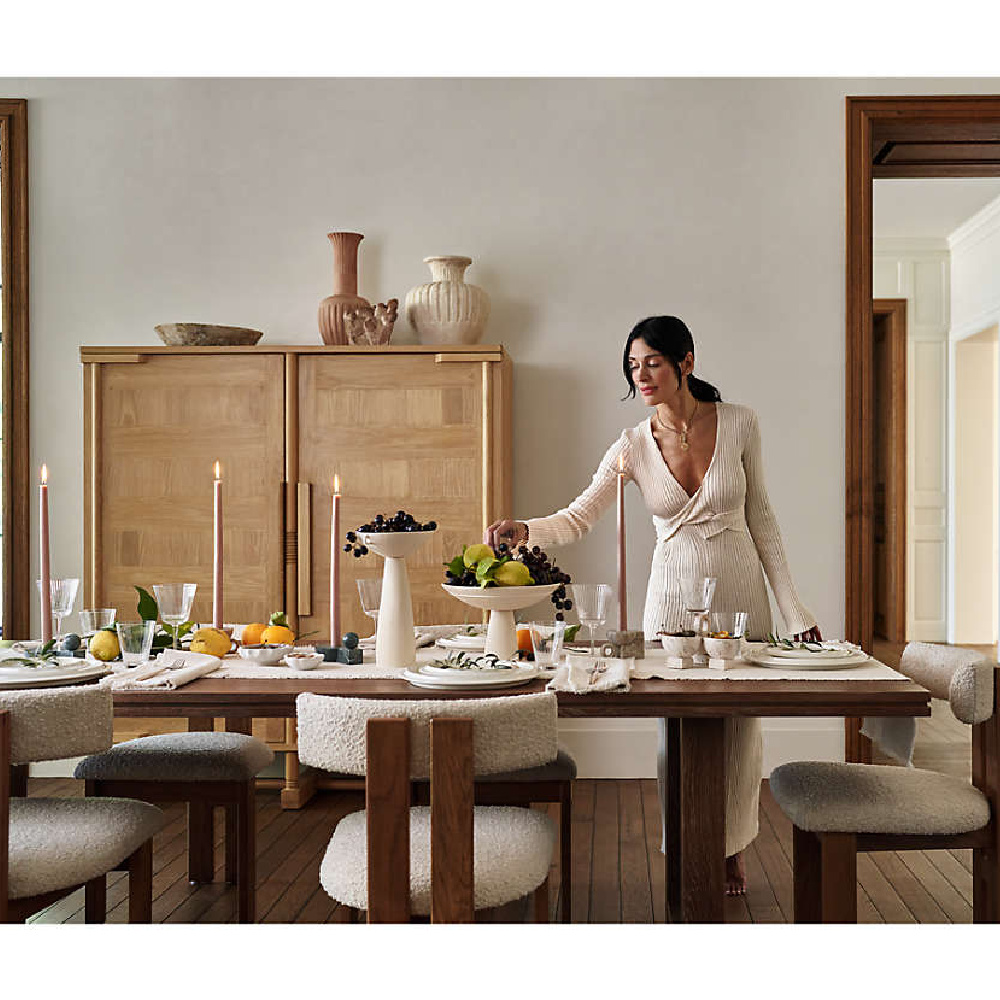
[[727, 530]]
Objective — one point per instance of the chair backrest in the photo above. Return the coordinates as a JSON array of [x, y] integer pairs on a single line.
[[511, 732], [54, 723], [962, 677]]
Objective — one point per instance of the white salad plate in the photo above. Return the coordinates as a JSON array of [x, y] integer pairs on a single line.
[[65, 671], [829, 651], [452, 679], [473, 643], [808, 661]]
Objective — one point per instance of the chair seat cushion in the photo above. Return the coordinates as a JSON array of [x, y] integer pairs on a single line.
[[58, 843], [513, 849], [179, 757], [824, 797]]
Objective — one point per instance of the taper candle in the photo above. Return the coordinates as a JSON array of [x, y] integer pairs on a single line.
[[43, 554], [335, 563], [217, 551], [622, 588]]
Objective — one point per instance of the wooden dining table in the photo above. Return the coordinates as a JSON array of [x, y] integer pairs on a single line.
[[695, 712]]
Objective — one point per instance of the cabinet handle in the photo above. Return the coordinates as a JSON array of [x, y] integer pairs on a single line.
[[304, 547], [464, 359]]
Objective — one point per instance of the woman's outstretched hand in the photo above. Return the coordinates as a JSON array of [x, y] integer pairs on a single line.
[[512, 533], [812, 635]]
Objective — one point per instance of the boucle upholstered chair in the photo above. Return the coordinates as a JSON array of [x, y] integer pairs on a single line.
[[451, 858], [50, 847], [840, 809], [203, 769]]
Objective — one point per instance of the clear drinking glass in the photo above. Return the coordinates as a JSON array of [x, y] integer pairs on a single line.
[[696, 595], [174, 601], [94, 619], [136, 640], [732, 622], [547, 643], [592, 601], [62, 594], [370, 592]]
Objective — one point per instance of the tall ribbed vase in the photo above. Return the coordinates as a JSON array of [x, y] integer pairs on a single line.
[[447, 310], [345, 288]]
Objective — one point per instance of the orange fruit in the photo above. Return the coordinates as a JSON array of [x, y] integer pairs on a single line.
[[252, 634], [524, 640], [278, 635]]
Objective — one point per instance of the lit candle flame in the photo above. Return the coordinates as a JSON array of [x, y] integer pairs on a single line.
[[218, 472], [45, 474], [621, 463], [336, 483]]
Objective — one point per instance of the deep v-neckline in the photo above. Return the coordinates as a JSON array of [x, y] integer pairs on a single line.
[[666, 464]]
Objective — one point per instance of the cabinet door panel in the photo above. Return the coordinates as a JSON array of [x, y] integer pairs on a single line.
[[402, 432], [163, 423]]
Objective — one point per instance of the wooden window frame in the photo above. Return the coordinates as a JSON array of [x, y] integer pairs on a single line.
[[16, 546], [946, 119]]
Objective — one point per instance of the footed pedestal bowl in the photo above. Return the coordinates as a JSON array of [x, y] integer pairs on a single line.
[[501, 602]]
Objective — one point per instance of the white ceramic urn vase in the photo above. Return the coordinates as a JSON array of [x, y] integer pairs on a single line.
[[447, 310]]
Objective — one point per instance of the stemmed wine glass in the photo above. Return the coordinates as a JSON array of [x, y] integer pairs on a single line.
[[174, 601], [62, 596], [592, 601], [370, 593]]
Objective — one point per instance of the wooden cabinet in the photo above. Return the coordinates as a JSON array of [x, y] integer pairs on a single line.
[[422, 428]]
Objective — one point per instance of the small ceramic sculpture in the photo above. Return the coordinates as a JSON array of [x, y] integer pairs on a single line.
[[371, 324]]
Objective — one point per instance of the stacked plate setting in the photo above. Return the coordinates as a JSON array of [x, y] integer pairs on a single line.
[[505, 674], [64, 671], [818, 656]]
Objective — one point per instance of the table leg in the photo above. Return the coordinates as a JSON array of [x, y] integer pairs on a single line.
[[671, 792], [239, 725], [703, 820]]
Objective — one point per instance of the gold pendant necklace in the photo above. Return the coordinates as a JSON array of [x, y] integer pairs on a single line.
[[683, 432]]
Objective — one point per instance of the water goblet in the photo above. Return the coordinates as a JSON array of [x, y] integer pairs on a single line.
[[94, 619], [174, 601], [370, 593], [592, 602], [135, 640], [62, 597]]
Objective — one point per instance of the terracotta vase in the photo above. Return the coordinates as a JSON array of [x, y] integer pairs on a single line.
[[345, 288], [447, 310]]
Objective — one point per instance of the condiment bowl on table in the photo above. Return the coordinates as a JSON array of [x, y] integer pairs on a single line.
[[680, 645], [722, 648], [265, 655], [303, 661]]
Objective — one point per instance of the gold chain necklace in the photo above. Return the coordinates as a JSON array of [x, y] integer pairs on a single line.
[[683, 432]]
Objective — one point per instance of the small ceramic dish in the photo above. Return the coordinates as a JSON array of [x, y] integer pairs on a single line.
[[303, 661], [680, 645], [264, 655], [722, 649]]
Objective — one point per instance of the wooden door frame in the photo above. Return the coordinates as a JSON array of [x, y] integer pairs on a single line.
[[942, 120], [895, 312], [16, 547]]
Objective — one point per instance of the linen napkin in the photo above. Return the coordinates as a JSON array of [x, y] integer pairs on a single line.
[[171, 670], [894, 735], [585, 674]]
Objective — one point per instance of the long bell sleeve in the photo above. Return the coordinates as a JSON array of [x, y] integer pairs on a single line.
[[572, 522], [767, 537]]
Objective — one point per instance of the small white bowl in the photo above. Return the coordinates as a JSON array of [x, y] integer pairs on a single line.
[[680, 645], [265, 656], [722, 649], [303, 661]]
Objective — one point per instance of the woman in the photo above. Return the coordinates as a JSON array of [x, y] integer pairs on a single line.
[[697, 463]]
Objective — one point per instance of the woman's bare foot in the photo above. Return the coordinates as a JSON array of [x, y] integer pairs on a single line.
[[736, 876]]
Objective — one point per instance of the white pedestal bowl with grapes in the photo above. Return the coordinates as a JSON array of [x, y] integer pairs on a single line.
[[501, 602]]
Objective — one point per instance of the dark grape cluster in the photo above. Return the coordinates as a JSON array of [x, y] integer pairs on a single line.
[[400, 521], [544, 571]]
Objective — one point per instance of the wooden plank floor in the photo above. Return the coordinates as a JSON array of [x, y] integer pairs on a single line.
[[617, 868]]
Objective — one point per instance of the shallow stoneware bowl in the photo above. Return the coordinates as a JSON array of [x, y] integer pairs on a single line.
[[206, 335], [722, 649], [304, 661], [265, 656], [680, 645]]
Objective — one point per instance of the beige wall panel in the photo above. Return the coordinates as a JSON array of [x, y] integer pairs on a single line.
[[930, 417], [928, 599]]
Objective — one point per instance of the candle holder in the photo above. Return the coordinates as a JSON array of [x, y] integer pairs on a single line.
[[348, 651], [395, 645], [501, 602], [625, 645]]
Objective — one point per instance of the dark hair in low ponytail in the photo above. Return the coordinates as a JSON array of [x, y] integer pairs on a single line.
[[670, 337]]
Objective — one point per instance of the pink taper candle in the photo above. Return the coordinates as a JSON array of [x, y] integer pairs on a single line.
[[217, 552], [622, 589], [335, 564], [43, 554]]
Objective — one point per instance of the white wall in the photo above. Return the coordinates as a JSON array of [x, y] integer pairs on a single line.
[[587, 204], [918, 270]]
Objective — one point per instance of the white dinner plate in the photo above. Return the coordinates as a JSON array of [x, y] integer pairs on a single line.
[[502, 669], [66, 670], [857, 659], [830, 651], [470, 680]]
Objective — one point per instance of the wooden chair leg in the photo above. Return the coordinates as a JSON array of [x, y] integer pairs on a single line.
[[806, 877], [541, 903], [246, 855], [566, 853], [985, 886], [201, 867], [95, 900], [839, 890], [140, 885], [232, 840]]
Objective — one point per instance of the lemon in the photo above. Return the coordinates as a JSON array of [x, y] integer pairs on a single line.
[[476, 553], [251, 635], [278, 635], [512, 574], [104, 646], [213, 641]]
